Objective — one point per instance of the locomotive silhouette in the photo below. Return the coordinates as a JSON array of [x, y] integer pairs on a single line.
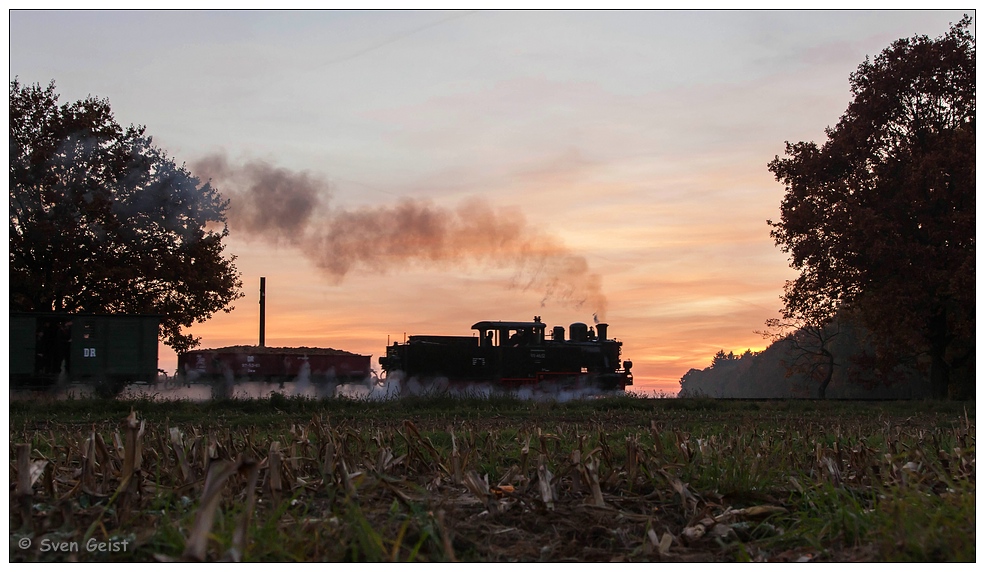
[[511, 355]]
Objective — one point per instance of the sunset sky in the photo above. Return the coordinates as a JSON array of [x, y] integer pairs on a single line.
[[580, 161]]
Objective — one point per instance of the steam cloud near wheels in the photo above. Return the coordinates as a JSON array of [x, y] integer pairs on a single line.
[[276, 204]]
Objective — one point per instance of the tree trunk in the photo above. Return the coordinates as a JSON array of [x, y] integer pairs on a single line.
[[940, 376], [830, 369], [940, 371]]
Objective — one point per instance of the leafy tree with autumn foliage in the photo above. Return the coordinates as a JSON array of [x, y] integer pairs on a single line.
[[102, 221], [880, 219]]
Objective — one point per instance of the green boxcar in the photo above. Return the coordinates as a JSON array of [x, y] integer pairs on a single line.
[[108, 350], [22, 345]]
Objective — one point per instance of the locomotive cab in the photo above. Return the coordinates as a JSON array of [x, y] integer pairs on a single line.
[[510, 334]]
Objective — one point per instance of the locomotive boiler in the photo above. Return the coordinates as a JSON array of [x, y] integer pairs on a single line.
[[511, 355]]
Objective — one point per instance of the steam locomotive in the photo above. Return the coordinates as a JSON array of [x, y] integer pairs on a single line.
[[514, 354]]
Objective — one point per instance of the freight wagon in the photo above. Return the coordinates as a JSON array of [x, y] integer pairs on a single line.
[[261, 363], [107, 351]]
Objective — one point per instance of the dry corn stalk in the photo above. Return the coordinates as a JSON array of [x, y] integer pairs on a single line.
[[274, 483], [252, 470], [130, 449], [350, 488], [603, 447], [544, 477], [49, 480], [178, 446], [632, 464], [89, 464], [578, 483], [663, 544], [752, 512], [512, 475], [426, 443], [480, 488], [105, 464], [131, 463], [456, 460], [524, 455], [328, 460], [680, 488], [198, 539], [592, 468], [655, 429], [25, 482], [695, 532]]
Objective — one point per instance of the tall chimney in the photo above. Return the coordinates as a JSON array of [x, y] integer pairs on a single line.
[[263, 308]]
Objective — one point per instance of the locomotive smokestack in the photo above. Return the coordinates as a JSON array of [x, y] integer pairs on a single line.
[[263, 308], [603, 330]]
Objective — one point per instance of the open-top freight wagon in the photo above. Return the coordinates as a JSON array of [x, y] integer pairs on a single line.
[[511, 355], [261, 363]]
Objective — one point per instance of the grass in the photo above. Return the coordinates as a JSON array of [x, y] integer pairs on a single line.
[[443, 478]]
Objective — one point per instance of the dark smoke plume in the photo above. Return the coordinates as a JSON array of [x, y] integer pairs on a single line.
[[273, 203]]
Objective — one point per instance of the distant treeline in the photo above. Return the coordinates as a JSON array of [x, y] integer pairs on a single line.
[[779, 372]]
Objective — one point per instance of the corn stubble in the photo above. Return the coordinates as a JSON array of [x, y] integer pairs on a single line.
[[763, 489]]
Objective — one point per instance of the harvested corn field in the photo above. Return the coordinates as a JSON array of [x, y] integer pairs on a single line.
[[491, 479]]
